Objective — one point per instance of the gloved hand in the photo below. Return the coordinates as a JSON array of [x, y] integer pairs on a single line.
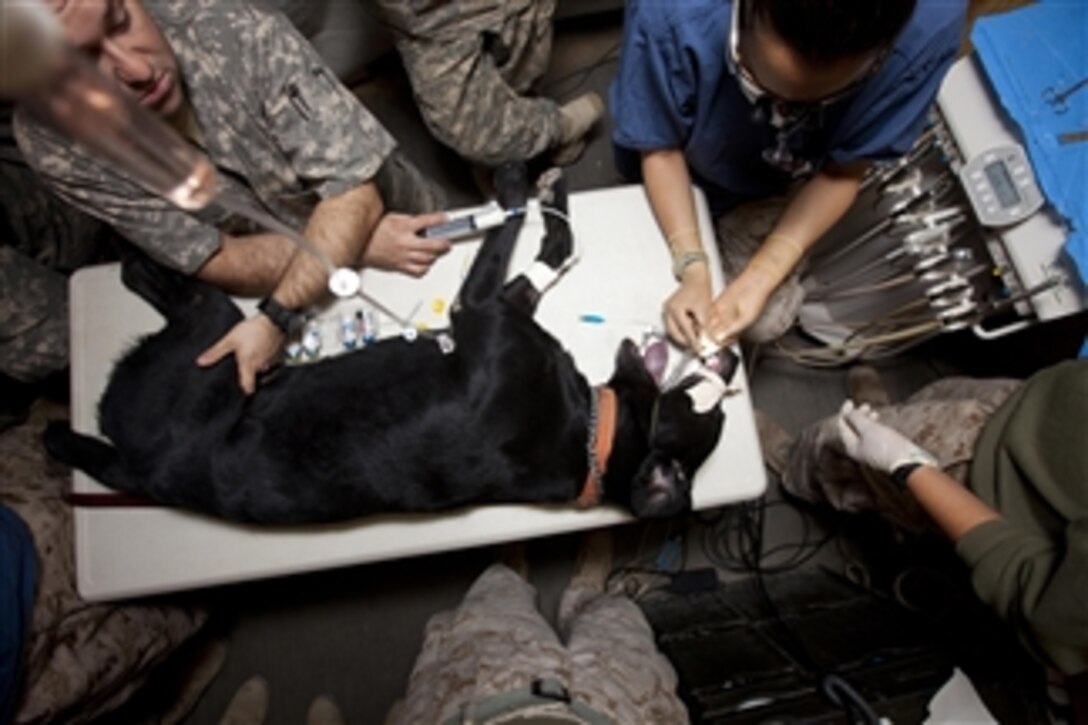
[[874, 444]]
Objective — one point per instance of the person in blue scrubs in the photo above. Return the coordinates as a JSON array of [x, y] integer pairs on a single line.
[[751, 99]]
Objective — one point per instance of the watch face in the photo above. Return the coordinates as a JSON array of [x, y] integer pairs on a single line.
[[344, 282]]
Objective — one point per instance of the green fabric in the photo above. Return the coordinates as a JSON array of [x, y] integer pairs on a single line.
[[1031, 465]]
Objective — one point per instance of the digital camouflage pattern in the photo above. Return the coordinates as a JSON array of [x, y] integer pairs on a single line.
[[42, 240], [496, 643], [944, 418], [280, 127], [470, 63]]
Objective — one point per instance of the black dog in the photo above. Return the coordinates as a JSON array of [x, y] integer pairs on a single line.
[[399, 425]]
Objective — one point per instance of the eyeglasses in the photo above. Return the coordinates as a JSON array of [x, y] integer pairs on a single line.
[[755, 92]]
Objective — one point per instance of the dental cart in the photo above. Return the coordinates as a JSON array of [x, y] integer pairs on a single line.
[[958, 234]]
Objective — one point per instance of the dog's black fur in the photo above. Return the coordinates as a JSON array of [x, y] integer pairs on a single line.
[[398, 426]]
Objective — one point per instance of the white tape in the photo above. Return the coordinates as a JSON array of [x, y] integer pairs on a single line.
[[541, 276], [706, 393]]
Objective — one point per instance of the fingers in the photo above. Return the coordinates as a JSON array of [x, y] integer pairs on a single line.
[[862, 415], [247, 377], [215, 353]]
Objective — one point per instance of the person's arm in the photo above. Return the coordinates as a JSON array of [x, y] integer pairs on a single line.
[[819, 204], [952, 506], [248, 266], [340, 226], [668, 188]]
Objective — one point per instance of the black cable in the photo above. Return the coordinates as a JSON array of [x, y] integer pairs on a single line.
[[609, 56], [730, 543], [836, 688], [736, 543]]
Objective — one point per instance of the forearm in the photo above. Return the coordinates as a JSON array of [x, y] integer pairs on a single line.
[[668, 188], [952, 506], [819, 204], [341, 227], [249, 266]]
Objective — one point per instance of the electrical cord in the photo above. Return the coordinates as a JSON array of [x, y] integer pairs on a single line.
[[610, 55], [886, 335], [751, 557]]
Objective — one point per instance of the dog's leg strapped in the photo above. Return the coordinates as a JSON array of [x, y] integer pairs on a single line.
[[556, 248], [485, 279]]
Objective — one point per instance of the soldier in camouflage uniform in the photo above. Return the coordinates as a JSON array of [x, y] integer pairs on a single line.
[[472, 64], [286, 136], [42, 241]]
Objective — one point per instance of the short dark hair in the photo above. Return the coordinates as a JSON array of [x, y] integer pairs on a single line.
[[827, 30]]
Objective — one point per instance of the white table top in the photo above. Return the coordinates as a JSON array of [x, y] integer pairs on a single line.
[[622, 278]]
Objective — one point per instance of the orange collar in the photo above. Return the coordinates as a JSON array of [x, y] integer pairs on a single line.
[[599, 446]]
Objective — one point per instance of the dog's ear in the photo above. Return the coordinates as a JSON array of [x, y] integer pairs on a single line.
[[660, 489]]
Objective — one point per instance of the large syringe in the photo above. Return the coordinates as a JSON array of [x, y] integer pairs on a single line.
[[60, 88]]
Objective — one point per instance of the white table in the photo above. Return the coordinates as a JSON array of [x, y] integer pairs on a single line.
[[622, 278]]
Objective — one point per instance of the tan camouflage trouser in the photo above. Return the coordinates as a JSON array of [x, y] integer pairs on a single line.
[[740, 232], [81, 659], [497, 642], [470, 63], [945, 418]]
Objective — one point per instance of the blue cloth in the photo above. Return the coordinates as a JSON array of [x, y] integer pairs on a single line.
[[674, 90], [17, 573], [1024, 53]]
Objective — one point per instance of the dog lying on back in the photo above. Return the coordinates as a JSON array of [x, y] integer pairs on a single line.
[[398, 426]]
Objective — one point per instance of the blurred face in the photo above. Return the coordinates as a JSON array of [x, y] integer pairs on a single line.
[[766, 66], [124, 43]]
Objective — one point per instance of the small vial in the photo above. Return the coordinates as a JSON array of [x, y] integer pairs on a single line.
[[445, 343], [349, 331], [370, 326], [294, 352], [311, 339]]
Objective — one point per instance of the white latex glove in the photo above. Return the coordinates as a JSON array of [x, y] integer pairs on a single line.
[[874, 444]]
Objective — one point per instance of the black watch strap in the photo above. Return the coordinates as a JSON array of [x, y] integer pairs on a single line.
[[286, 320], [902, 473]]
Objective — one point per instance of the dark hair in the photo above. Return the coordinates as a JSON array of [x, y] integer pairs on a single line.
[[826, 30]]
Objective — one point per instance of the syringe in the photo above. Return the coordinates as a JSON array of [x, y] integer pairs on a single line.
[[486, 217]]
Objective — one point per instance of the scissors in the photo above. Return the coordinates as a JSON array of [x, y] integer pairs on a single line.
[[1056, 99]]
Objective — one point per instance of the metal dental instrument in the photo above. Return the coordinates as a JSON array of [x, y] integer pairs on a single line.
[[933, 192], [1073, 137], [1056, 98]]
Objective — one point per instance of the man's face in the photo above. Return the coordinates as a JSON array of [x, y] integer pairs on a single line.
[[123, 41]]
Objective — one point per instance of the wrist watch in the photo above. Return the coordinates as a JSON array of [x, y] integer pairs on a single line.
[[288, 321], [917, 458], [682, 260]]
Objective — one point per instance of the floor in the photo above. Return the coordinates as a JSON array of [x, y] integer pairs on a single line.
[[354, 633]]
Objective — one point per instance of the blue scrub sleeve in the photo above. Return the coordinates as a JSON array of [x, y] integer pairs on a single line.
[[652, 98], [888, 116]]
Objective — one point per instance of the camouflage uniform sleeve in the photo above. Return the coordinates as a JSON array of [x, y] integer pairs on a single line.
[[156, 226], [331, 141]]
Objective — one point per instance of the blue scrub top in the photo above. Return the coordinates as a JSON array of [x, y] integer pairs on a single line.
[[674, 90]]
